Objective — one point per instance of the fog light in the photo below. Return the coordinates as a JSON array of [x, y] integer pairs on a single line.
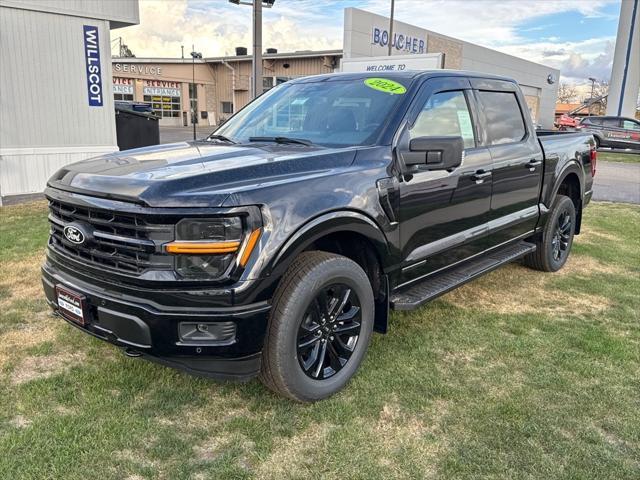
[[207, 333]]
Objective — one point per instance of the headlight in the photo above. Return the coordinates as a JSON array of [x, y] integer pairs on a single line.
[[205, 248], [217, 230]]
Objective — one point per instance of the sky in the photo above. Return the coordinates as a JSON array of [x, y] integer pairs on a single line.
[[575, 36]]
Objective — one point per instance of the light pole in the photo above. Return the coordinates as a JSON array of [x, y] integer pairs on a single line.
[[393, 4], [256, 65], [194, 101], [593, 83]]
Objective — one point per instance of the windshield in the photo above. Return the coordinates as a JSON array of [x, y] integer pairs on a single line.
[[330, 113]]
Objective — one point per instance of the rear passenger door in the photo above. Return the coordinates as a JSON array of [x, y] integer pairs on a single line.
[[443, 214], [517, 160]]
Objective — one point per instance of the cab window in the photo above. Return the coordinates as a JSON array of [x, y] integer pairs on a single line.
[[505, 123], [445, 114]]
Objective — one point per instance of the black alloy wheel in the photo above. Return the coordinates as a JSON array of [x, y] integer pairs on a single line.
[[561, 237], [320, 325], [329, 331], [553, 245]]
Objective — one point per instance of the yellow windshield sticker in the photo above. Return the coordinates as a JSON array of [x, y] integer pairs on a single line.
[[385, 85]]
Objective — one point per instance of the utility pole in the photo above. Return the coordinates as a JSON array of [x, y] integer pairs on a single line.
[[256, 64], [256, 67], [193, 102], [393, 4], [593, 82]]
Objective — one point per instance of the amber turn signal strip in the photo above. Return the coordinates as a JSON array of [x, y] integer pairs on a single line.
[[250, 245], [202, 248]]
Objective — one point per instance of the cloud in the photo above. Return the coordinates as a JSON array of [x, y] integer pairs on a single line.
[[216, 28], [577, 61], [487, 23]]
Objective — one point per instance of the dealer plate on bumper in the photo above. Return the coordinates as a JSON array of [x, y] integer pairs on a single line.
[[71, 305]]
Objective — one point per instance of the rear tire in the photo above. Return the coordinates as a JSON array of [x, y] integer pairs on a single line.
[[557, 237], [319, 327]]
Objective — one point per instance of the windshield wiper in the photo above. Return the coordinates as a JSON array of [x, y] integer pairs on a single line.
[[222, 138], [300, 141]]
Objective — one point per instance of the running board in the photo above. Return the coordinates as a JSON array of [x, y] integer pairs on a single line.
[[441, 283]]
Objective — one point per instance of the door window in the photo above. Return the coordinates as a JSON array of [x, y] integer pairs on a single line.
[[445, 114], [504, 117], [611, 122], [630, 125]]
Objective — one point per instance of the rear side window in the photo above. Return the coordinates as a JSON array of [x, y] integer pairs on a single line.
[[611, 122], [629, 125], [504, 117], [445, 114]]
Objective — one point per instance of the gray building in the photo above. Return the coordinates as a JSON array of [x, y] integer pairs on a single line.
[[366, 35], [57, 98]]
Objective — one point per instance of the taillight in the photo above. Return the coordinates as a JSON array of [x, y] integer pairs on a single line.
[[594, 159]]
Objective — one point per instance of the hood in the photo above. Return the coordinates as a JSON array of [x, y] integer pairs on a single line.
[[198, 174]]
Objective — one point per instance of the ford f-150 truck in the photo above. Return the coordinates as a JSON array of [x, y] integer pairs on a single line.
[[277, 245]]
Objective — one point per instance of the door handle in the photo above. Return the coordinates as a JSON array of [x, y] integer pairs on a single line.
[[532, 164], [480, 176]]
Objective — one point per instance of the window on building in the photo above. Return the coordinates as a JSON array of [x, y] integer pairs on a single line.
[[267, 83], [227, 107], [505, 123], [164, 106], [123, 96], [445, 114], [193, 101]]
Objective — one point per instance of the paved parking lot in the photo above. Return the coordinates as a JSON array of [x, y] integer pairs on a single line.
[[183, 134], [617, 182]]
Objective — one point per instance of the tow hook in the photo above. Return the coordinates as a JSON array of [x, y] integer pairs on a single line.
[[130, 352]]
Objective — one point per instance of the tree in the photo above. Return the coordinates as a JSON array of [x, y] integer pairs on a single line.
[[566, 93], [600, 89]]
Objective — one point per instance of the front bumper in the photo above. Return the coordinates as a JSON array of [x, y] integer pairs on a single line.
[[125, 316]]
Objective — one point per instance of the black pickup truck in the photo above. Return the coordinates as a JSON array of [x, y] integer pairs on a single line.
[[277, 245]]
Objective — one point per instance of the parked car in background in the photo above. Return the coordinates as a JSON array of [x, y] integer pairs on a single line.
[[613, 132]]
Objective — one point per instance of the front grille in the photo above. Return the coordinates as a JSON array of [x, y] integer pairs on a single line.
[[126, 243]]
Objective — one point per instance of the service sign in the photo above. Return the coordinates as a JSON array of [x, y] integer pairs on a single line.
[[123, 85], [92, 59], [161, 87]]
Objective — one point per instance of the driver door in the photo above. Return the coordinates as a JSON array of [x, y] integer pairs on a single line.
[[444, 214]]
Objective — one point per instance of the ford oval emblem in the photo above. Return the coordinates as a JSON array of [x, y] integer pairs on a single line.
[[74, 234]]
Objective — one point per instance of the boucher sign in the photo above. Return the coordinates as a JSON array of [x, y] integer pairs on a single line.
[[401, 42], [160, 87]]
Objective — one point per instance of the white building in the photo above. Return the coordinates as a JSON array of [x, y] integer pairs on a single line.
[[56, 103]]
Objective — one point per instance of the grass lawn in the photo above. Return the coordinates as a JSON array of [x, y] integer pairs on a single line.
[[619, 157], [518, 375]]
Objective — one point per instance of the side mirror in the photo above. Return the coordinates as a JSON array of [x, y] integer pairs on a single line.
[[435, 153]]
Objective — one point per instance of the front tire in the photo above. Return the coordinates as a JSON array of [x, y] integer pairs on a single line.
[[319, 327], [554, 247]]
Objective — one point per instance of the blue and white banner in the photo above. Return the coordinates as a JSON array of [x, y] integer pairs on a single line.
[[92, 58]]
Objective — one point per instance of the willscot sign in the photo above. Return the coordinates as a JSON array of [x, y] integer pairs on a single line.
[[92, 58]]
